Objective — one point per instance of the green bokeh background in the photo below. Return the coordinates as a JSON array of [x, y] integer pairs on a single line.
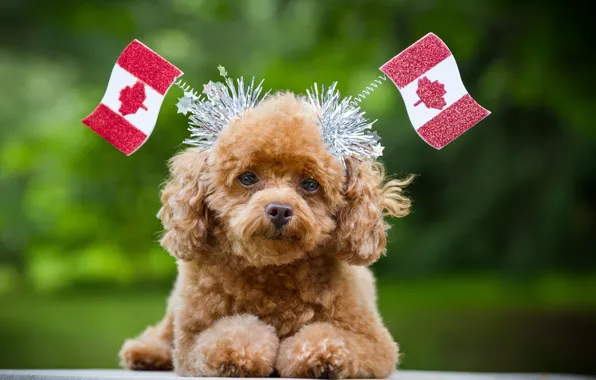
[[495, 270]]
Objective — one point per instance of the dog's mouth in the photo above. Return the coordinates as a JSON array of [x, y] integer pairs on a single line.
[[279, 235]]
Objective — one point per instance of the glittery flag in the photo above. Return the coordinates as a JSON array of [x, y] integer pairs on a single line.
[[128, 111], [437, 102]]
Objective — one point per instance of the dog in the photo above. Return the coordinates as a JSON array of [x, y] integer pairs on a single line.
[[272, 236]]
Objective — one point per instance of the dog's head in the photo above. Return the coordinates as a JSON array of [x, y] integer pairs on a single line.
[[270, 192]]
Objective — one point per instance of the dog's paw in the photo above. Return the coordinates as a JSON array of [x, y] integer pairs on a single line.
[[238, 361], [239, 346], [317, 351], [146, 355]]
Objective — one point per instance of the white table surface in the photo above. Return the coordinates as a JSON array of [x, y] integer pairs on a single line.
[[101, 374]]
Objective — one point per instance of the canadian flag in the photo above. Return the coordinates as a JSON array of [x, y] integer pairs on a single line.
[[437, 102], [128, 111]]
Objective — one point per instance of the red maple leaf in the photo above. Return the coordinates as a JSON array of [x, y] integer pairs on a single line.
[[132, 99], [431, 93]]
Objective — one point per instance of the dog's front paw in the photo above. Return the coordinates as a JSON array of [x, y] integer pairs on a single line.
[[239, 346], [316, 351], [146, 354]]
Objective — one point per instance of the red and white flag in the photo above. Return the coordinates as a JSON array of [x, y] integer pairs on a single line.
[[128, 111], [437, 102]]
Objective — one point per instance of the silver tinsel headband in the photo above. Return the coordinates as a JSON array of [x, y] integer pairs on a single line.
[[344, 129]]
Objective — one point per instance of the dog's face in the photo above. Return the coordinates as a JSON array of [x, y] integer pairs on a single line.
[[276, 188], [270, 192]]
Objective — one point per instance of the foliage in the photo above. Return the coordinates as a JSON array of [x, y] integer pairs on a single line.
[[514, 194]]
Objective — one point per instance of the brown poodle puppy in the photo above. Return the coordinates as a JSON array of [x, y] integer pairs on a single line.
[[272, 236]]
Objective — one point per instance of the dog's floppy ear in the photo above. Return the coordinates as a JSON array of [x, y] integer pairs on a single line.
[[361, 231], [184, 215]]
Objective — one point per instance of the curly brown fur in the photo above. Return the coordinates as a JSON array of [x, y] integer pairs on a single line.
[[251, 299]]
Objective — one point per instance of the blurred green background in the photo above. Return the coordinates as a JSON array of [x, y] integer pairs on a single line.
[[495, 270]]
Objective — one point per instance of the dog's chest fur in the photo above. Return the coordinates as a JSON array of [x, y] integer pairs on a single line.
[[287, 297]]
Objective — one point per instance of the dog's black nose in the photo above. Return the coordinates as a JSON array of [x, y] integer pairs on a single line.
[[279, 214]]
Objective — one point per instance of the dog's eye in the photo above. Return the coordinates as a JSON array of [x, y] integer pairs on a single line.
[[248, 179], [310, 185]]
